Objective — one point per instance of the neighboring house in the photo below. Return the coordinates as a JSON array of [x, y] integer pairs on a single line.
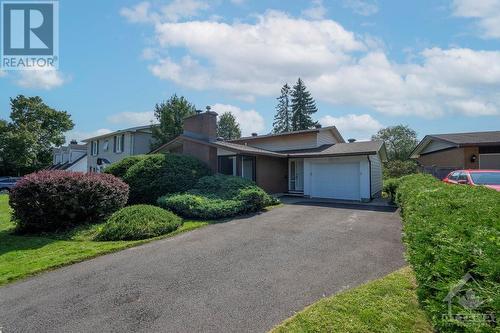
[[314, 163], [105, 149], [72, 157], [440, 154]]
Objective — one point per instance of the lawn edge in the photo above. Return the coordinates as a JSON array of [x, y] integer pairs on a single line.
[[128, 245], [284, 323]]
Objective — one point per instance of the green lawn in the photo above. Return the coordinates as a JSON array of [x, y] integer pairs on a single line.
[[385, 305], [22, 256]]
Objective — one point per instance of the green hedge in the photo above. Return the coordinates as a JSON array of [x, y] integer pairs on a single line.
[[161, 174], [449, 231], [201, 207], [138, 222], [218, 196], [221, 186]]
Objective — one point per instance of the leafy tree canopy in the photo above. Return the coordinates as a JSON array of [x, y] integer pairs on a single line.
[[227, 127], [400, 141], [26, 141], [170, 116]]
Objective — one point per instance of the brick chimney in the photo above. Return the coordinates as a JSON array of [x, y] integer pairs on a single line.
[[202, 126]]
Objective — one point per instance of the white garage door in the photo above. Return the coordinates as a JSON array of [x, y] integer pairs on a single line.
[[336, 181], [489, 161]]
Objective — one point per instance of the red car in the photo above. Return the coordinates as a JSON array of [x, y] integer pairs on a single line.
[[488, 178]]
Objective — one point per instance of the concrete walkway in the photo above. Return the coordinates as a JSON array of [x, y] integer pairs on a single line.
[[246, 275]]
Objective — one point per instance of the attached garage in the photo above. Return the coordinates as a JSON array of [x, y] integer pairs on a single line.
[[335, 180], [489, 161], [345, 178]]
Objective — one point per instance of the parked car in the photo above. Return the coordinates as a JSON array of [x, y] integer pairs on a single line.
[[7, 183], [488, 178]]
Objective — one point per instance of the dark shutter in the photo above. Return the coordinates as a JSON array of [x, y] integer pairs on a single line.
[[122, 139], [114, 144]]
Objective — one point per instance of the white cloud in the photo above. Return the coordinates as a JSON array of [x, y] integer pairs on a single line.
[[144, 12], [132, 119], [139, 13], [362, 7], [338, 66], [234, 52], [179, 9], [40, 79], [360, 127], [487, 13], [316, 12], [474, 107], [250, 120], [81, 135]]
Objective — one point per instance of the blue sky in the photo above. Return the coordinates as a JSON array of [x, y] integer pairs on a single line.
[[434, 65]]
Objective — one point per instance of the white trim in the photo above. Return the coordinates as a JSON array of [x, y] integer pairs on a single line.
[[295, 160]]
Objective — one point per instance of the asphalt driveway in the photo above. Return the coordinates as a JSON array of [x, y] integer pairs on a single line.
[[246, 275]]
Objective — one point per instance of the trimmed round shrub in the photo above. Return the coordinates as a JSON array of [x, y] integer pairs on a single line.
[[139, 222], [54, 200], [218, 196], [160, 174], [119, 168], [201, 207], [254, 198]]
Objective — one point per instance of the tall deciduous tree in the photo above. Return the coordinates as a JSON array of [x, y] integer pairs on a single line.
[[26, 141], [227, 127], [303, 106], [170, 116], [283, 118], [399, 140]]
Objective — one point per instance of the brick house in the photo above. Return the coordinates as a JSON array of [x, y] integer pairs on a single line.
[[314, 163]]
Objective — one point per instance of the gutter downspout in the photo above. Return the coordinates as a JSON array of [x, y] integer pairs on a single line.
[[370, 175]]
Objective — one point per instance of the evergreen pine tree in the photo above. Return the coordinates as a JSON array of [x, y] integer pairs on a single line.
[[303, 106], [283, 118]]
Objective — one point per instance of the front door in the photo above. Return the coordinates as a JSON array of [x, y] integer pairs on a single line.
[[296, 172]]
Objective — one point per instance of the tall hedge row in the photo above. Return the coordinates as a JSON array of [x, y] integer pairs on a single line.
[[449, 231]]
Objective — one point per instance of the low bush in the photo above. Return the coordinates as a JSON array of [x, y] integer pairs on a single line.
[[390, 187], [54, 200], [201, 207], [160, 174], [138, 222], [221, 186], [449, 231], [218, 196], [120, 168], [397, 168]]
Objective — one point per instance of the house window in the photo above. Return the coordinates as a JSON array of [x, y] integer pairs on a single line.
[[118, 142], [94, 148], [227, 165], [105, 146]]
